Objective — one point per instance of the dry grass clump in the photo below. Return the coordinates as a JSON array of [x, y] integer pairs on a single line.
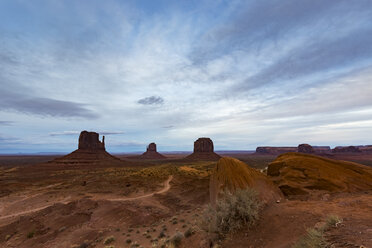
[[232, 212], [314, 237], [176, 240], [109, 240]]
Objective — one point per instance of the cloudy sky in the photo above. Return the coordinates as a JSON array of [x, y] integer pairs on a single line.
[[244, 73]]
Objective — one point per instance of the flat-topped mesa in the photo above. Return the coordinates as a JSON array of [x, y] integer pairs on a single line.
[[90, 141], [305, 148], [272, 150], [203, 150], [346, 149]]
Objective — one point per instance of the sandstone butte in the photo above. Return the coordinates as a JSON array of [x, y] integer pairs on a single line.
[[151, 153], [203, 150], [231, 174], [302, 174], [91, 151], [305, 148]]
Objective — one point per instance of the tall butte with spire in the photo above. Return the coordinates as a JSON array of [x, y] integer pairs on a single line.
[[91, 151]]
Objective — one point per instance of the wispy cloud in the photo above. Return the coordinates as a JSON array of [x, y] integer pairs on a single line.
[[151, 100]]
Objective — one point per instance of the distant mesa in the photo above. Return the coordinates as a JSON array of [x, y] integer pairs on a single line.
[[151, 153], [274, 150], [305, 148], [232, 174], [346, 149], [203, 150], [303, 174], [91, 151]]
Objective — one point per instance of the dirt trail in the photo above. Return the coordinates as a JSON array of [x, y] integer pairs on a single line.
[[67, 200], [163, 190]]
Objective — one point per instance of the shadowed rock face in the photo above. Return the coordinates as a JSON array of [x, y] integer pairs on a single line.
[[306, 148], [203, 145], [151, 147], [203, 150], [90, 141]]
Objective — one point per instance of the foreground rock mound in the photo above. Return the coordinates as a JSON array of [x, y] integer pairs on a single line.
[[151, 153], [90, 152], [232, 174], [203, 150], [301, 174]]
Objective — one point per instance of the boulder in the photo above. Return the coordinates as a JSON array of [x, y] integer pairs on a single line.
[[203, 150], [231, 174], [90, 141], [306, 148], [302, 174]]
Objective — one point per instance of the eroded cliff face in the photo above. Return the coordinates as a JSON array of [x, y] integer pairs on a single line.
[[90, 141]]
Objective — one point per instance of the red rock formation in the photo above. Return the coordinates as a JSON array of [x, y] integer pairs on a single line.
[[151, 153], [306, 148], [346, 149], [90, 141], [90, 152], [203, 150], [274, 150]]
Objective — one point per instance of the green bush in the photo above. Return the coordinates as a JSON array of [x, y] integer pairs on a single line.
[[232, 212]]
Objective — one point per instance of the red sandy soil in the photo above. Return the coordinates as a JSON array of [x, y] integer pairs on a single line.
[[56, 206]]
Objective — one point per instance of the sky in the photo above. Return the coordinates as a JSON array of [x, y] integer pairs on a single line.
[[244, 73]]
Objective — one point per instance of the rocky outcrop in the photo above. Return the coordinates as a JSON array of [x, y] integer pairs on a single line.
[[232, 174], [203, 150], [151, 153], [306, 148], [302, 174], [90, 141], [346, 149], [270, 150]]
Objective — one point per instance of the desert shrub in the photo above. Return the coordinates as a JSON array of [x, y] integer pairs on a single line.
[[189, 232], [232, 212], [312, 239], [109, 240], [161, 234], [128, 241], [30, 234], [332, 221], [176, 240]]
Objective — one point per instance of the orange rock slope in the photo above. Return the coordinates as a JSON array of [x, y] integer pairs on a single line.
[[232, 174], [300, 174]]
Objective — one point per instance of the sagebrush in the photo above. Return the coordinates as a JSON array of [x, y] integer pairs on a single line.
[[232, 212]]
